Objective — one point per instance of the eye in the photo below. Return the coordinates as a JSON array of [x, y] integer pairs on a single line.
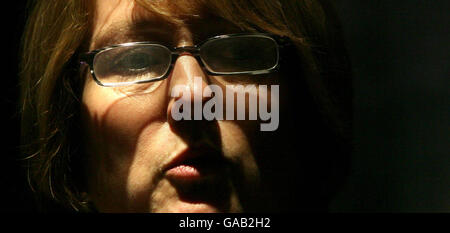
[[132, 63], [236, 52], [135, 62], [139, 60]]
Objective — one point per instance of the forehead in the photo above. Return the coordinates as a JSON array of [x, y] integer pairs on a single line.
[[109, 10], [127, 20]]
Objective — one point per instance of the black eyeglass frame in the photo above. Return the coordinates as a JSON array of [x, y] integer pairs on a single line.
[[175, 52]]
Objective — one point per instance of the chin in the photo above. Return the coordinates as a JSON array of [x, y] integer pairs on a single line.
[[180, 205], [186, 207]]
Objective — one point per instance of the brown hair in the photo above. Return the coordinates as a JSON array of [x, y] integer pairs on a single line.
[[56, 31]]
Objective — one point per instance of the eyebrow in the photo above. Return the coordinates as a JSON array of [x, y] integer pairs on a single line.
[[161, 31], [130, 32]]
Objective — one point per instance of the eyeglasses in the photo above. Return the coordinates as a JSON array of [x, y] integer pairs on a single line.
[[141, 62]]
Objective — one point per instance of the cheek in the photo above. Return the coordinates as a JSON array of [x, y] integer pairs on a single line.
[[115, 123], [237, 146], [116, 119]]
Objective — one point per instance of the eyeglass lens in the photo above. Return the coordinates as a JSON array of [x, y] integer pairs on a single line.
[[146, 62], [239, 54]]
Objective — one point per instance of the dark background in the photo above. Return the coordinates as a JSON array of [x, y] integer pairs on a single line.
[[400, 51], [401, 57]]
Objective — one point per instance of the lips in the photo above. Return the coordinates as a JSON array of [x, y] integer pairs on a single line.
[[195, 165], [200, 177]]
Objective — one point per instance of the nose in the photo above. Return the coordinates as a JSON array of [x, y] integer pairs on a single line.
[[187, 83]]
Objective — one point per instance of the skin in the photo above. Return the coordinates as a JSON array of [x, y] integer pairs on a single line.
[[131, 136]]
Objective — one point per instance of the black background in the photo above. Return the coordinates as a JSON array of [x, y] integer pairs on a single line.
[[400, 55], [400, 51]]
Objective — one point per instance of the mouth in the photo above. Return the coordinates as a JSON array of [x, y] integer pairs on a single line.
[[195, 165], [201, 178]]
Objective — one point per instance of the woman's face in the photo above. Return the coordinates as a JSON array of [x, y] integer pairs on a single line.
[[142, 160]]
